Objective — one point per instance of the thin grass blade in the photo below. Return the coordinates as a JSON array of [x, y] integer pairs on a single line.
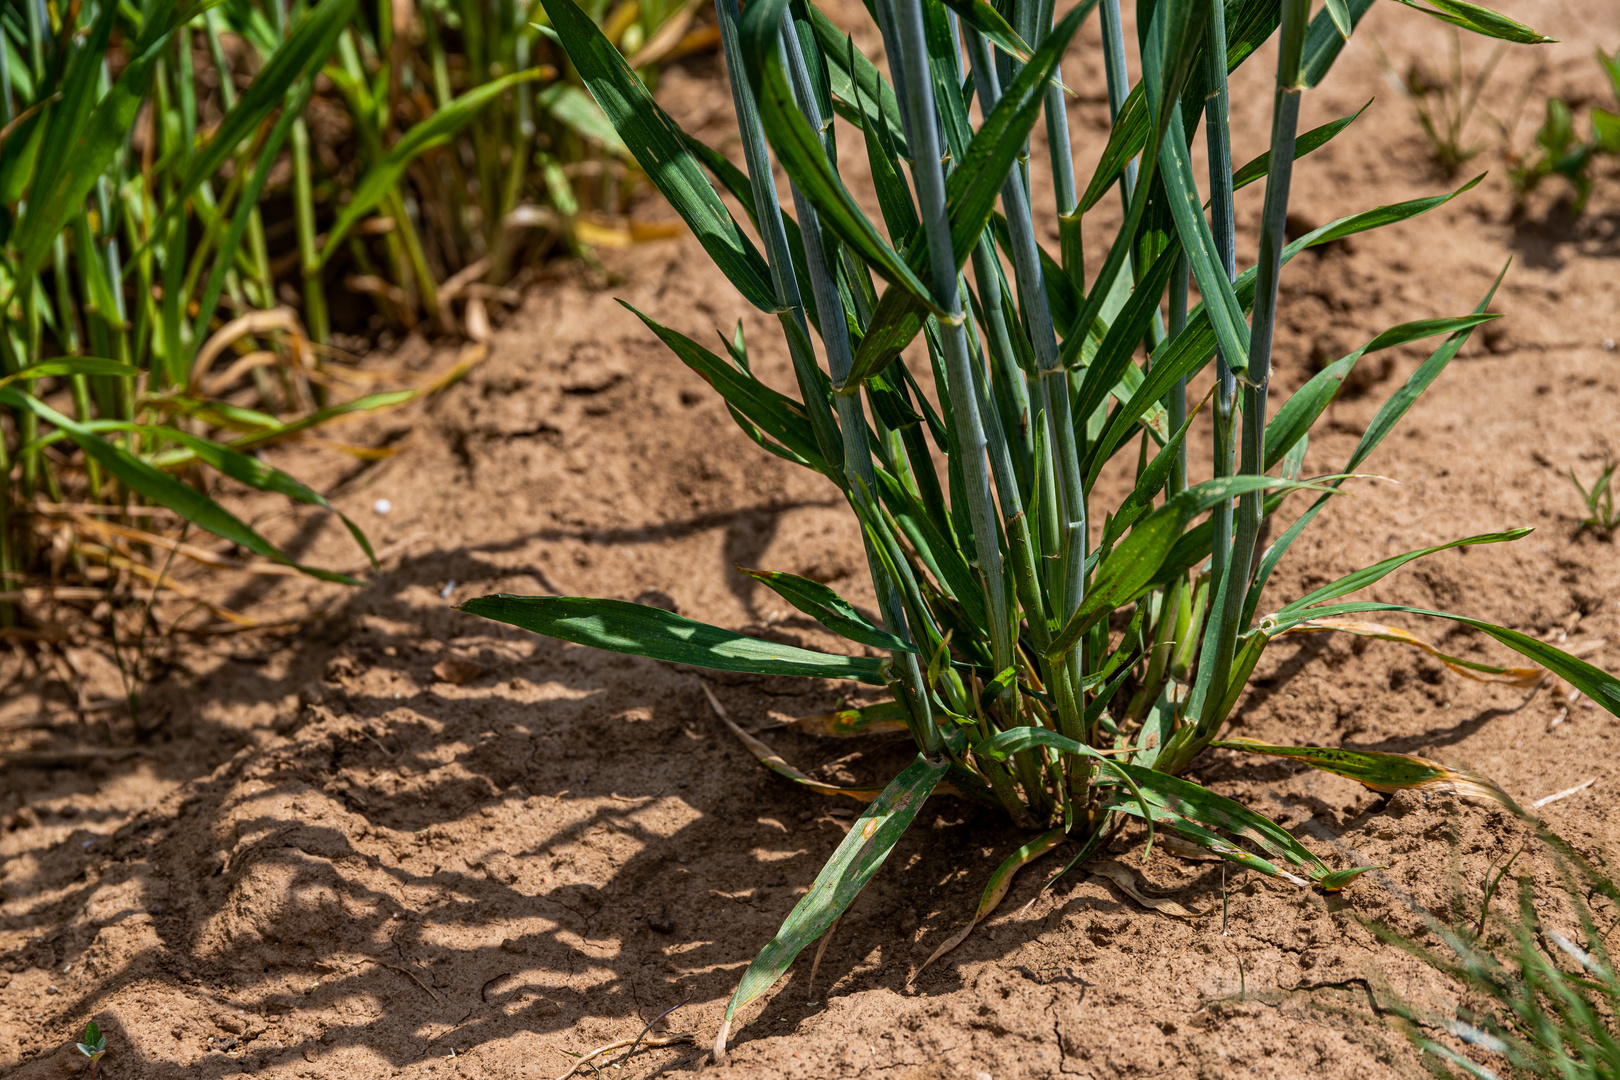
[[1479, 20], [384, 175], [163, 489], [1381, 771], [1595, 683]]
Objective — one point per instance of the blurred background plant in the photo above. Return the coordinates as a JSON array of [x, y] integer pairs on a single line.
[[208, 209], [1559, 150], [1536, 984], [1599, 498], [1446, 103]]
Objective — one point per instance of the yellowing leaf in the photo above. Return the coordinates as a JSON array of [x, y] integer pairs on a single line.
[[1383, 771], [1524, 678]]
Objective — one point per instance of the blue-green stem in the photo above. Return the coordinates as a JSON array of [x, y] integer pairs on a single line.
[[1062, 163], [1063, 465], [846, 441], [308, 251], [929, 177], [987, 272], [1217, 135], [835, 338], [1227, 611], [757, 158], [1175, 402], [1119, 81]]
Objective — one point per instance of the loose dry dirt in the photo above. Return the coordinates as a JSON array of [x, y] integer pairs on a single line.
[[396, 840]]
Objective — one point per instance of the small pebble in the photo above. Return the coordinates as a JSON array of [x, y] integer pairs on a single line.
[[52, 990], [381, 507], [450, 587], [1608, 343]]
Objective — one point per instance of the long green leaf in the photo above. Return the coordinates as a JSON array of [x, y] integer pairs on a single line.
[[659, 147], [996, 30], [1594, 682], [799, 150], [1313, 139], [1384, 772], [1125, 333], [1389, 414], [163, 489], [828, 608], [1480, 20], [577, 109], [1186, 353], [1377, 770], [70, 365], [1224, 310], [1130, 566], [1300, 411], [1340, 15], [243, 468], [1165, 68], [1370, 575], [1192, 810], [619, 626], [854, 76], [859, 855], [776, 414]]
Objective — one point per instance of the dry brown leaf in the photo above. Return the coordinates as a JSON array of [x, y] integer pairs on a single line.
[[1126, 881], [254, 322], [1524, 678]]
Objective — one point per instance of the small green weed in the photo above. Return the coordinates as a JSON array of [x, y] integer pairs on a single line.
[[1445, 106], [1561, 151], [1599, 498], [93, 1047]]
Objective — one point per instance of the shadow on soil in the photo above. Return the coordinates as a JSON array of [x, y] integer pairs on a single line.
[[566, 836]]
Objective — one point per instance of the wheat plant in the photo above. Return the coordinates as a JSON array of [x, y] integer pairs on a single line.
[[1056, 657], [187, 188]]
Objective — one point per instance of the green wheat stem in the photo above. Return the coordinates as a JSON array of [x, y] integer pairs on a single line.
[[1217, 129], [315, 316], [1228, 608], [1175, 402], [929, 176], [756, 157], [852, 425], [1062, 467]]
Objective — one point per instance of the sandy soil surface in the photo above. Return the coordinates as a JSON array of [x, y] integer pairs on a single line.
[[394, 840]]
